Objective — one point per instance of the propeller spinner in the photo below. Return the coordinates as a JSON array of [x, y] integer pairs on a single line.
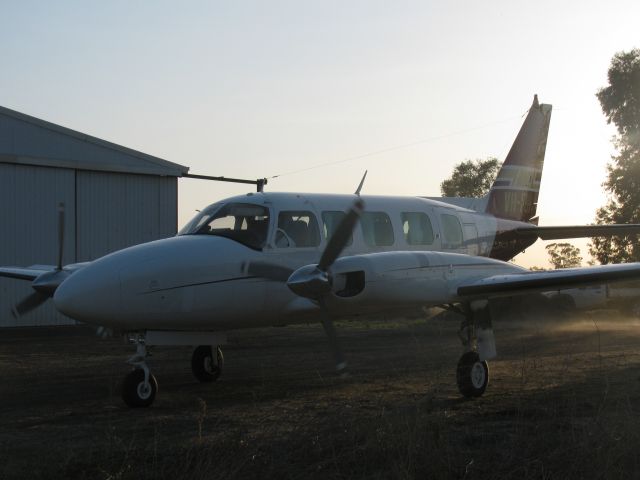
[[46, 283], [315, 281]]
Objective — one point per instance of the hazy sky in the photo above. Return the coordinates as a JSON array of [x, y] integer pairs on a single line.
[[255, 89]]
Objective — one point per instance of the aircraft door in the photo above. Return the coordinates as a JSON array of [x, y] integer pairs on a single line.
[[437, 230], [294, 242], [471, 239], [451, 233]]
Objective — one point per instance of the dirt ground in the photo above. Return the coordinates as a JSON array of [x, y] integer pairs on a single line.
[[563, 402]]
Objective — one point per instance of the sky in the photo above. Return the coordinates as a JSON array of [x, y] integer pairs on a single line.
[[403, 89]]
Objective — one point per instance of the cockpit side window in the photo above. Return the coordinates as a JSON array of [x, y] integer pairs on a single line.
[[243, 222], [297, 229]]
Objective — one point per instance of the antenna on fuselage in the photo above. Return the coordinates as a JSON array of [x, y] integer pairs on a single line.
[[361, 183]]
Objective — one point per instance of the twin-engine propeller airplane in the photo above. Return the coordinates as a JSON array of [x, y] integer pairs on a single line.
[[281, 258]]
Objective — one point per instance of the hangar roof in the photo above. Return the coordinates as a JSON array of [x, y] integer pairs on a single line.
[[29, 140]]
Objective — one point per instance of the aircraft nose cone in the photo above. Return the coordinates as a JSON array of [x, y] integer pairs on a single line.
[[89, 296]]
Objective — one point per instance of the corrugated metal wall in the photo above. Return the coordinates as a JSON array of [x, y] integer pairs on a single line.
[[118, 210], [29, 198], [113, 211], [105, 211]]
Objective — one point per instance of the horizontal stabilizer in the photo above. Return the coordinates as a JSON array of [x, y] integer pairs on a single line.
[[579, 231], [517, 283]]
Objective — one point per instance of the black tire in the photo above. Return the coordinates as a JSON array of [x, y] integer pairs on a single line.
[[472, 375], [203, 366], [133, 391]]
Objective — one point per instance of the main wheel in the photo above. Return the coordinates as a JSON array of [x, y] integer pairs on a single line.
[[134, 391], [472, 375], [203, 366]]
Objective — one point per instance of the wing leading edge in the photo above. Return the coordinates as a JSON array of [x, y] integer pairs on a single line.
[[26, 273], [34, 271], [516, 283]]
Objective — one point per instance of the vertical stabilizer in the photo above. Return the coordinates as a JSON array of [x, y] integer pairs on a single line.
[[514, 194]]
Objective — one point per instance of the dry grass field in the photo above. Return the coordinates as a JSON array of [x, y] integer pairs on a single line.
[[563, 402]]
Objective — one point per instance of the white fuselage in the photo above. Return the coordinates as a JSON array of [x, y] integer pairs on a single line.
[[405, 247]]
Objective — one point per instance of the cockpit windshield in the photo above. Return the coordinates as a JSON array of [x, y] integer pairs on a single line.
[[243, 222]]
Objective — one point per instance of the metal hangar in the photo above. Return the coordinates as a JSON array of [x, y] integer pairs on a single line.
[[114, 197]]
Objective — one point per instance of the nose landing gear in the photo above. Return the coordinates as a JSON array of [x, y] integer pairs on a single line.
[[139, 387]]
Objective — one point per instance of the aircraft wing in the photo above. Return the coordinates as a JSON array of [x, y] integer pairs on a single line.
[[516, 283], [34, 271], [579, 231], [26, 273]]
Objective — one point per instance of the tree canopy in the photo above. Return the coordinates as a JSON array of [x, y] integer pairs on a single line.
[[471, 178], [564, 255], [620, 102]]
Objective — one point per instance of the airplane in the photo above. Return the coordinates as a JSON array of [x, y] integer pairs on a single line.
[[266, 259]]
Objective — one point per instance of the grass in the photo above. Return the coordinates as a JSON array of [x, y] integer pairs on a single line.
[[562, 404], [573, 431]]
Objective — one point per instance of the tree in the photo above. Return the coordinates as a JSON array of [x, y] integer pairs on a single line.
[[620, 102], [471, 178], [564, 255]]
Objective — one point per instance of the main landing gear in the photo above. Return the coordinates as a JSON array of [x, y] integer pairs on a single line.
[[476, 334], [139, 387], [204, 367], [472, 375]]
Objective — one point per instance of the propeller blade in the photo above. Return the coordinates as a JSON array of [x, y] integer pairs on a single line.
[[340, 237], [269, 271], [29, 303], [329, 329], [60, 234]]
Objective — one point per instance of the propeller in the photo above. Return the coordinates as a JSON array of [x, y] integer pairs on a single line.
[[30, 302], [60, 234], [46, 283], [315, 281]]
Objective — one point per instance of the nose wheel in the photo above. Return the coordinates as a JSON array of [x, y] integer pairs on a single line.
[[138, 391], [204, 366], [139, 387]]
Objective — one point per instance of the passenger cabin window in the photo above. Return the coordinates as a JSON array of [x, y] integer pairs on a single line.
[[417, 228], [330, 222], [452, 231], [297, 229], [245, 223], [377, 229]]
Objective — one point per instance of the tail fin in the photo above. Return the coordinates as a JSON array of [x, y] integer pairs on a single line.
[[514, 194]]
